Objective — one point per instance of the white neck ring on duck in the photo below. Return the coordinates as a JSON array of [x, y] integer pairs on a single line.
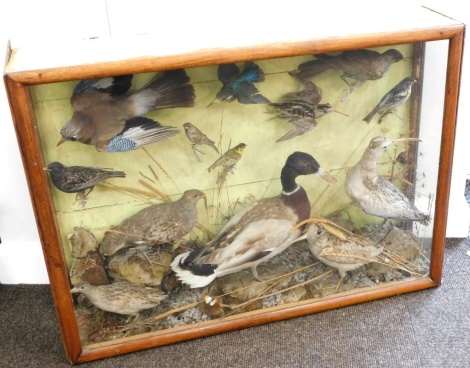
[[290, 193]]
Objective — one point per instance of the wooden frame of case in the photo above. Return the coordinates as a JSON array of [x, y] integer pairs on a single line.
[[18, 78]]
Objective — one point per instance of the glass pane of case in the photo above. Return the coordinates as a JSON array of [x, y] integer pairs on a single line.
[[187, 197]]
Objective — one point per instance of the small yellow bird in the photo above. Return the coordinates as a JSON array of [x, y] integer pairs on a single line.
[[229, 159]]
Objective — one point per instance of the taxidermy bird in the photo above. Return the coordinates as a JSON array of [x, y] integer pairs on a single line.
[[260, 231], [198, 138], [121, 297], [335, 249], [360, 65], [229, 159], [392, 100], [301, 109], [238, 85], [79, 179], [109, 117], [376, 195], [157, 224]]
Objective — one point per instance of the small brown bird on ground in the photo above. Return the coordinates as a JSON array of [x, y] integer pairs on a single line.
[[156, 224], [373, 193], [121, 297], [79, 179], [392, 100], [344, 255], [360, 65], [108, 117], [197, 138]]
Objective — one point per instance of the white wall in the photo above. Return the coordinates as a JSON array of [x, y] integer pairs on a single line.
[[24, 21]]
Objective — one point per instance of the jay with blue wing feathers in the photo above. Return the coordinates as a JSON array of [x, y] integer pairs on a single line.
[[110, 117]]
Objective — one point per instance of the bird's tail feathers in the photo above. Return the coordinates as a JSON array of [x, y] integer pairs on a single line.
[[309, 70], [369, 117], [167, 89], [195, 276], [289, 135]]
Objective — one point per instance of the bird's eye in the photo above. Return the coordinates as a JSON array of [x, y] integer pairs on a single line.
[[319, 231]]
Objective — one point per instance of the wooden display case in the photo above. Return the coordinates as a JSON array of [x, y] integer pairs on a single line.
[[41, 80]]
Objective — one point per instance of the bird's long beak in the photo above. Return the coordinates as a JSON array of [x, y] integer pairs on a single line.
[[61, 141], [342, 113], [326, 176], [406, 140], [215, 100]]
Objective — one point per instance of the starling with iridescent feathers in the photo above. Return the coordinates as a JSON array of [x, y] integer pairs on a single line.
[[79, 179]]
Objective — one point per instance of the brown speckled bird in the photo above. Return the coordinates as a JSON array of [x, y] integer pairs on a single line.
[[373, 193], [197, 138], [121, 297], [301, 109], [156, 224], [360, 65], [108, 117], [79, 179], [342, 254]]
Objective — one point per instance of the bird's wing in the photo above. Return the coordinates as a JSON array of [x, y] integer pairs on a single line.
[[254, 242], [166, 229], [301, 126], [262, 213], [252, 73], [114, 86], [227, 73], [355, 63], [249, 94], [81, 177], [309, 70], [139, 132], [309, 93]]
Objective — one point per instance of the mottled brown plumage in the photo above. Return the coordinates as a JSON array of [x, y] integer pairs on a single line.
[[360, 65], [301, 109], [121, 297], [342, 254], [156, 224]]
